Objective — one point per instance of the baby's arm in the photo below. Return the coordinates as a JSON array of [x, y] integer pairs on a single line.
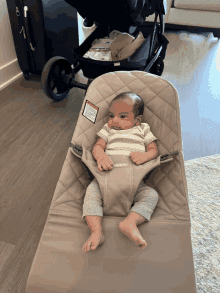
[[99, 148], [151, 153], [103, 160]]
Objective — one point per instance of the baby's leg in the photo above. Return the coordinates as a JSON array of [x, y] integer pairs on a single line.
[[93, 213], [145, 202], [97, 237]]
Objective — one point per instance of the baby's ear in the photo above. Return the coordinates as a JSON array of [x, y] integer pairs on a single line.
[[140, 118]]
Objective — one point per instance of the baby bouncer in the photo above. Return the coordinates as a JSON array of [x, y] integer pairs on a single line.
[[166, 264]]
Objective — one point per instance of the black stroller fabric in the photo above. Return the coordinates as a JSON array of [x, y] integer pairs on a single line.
[[117, 14]]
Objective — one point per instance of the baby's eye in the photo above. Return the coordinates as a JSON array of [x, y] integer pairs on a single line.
[[122, 116]]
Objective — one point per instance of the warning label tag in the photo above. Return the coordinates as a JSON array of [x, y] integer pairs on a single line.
[[90, 111]]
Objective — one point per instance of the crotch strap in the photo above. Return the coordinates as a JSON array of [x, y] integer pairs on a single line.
[[119, 185]]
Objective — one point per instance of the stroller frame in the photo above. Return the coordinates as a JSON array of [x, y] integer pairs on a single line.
[[59, 74]]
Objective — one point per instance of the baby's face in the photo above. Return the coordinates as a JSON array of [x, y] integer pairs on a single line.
[[121, 116]]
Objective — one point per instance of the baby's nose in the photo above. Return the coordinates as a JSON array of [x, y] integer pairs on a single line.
[[116, 119]]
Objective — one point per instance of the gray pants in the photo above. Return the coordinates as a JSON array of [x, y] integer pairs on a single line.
[[145, 200]]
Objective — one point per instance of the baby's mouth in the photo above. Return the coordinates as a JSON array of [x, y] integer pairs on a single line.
[[116, 128]]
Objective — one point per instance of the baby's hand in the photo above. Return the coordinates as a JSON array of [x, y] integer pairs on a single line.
[[138, 157], [104, 162]]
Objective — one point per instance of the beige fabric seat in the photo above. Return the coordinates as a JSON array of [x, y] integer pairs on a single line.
[[166, 265]]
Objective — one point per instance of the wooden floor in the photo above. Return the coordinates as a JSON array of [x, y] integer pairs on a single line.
[[35, 133], [192, 65]]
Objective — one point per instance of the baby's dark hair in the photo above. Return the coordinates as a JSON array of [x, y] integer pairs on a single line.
[[138, 103]]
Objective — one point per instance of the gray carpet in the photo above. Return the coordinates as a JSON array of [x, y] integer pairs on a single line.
[[203, 183]]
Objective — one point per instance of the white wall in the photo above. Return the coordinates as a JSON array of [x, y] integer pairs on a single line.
[[9, 68]]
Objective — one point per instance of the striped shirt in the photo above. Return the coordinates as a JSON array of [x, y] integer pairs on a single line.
[[124, 142]]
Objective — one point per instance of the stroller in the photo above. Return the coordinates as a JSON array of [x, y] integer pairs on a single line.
[[58, 75]]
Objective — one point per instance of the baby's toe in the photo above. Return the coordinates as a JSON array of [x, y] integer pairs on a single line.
[[142, 245], [89, 246], [93, 246], [86, 247]]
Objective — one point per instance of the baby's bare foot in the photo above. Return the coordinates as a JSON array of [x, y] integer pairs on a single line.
[[95, 239], [131, 231]]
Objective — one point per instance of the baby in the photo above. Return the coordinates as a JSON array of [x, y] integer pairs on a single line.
[[125, 113]]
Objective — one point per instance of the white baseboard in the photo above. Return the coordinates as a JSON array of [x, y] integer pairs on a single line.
[[9, 73]]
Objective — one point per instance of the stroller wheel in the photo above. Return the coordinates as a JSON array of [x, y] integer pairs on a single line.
[[157, 68], [55, 78]]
